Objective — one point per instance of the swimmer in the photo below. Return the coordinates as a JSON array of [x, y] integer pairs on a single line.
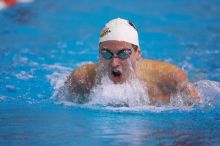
[[120, 59]]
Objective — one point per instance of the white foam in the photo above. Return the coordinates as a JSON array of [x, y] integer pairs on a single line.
[[57, 79], [210, 90], [23, 75], [186, 66], [131, 93], [2, 97], [20, 60], [57, 67]]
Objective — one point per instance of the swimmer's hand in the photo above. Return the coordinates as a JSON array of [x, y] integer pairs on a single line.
[[190, 91]]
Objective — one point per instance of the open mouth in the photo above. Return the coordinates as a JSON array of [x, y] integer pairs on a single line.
[[116, 73], [117, 76]]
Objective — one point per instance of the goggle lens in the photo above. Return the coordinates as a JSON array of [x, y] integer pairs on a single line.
[[106, 54], [122, 54]]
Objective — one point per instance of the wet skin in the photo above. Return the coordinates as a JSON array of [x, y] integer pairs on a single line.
[[161, 79]]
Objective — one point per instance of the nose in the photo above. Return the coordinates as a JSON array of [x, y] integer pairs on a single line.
[[115, 62]]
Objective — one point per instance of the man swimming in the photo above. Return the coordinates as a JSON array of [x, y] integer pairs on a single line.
[[120, 60]]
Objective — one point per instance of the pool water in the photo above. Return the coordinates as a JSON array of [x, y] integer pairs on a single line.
[[43, 41]]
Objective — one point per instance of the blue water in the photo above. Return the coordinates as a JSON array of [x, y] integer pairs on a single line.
[[43, 41]]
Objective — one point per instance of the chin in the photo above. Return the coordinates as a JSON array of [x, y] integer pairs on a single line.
[[117, 77], [117, 80]]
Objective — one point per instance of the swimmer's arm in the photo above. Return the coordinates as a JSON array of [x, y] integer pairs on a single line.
[[189, 89], [173, 81], [81, 80], [181, 84]]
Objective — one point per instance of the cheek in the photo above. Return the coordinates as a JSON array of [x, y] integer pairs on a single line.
[[126, 64], [106, 63], [134, 60], [129, 64]]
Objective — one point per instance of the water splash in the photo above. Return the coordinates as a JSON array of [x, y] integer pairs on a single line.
[[129, 94], [210, 90], [57, 79]]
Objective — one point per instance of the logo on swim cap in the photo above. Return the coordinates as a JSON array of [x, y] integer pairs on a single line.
[[105, 32], [120, 30]]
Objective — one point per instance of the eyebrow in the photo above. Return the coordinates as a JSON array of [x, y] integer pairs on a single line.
[[103, 48]]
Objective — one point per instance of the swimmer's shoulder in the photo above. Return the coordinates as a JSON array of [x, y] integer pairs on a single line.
[[85, 72], [158, 65], [83, 77], [168, 78], [87, 69], [160, 70]]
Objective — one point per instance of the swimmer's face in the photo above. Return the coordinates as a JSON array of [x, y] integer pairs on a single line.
[[120, 66]]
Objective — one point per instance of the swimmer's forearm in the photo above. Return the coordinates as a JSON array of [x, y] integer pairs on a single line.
[[186, 87], [75, 85], [76, 91]]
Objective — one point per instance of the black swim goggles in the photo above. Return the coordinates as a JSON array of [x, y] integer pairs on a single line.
[[122, 54]]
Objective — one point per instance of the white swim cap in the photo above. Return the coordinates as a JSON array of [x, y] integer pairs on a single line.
[[120, 30]]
